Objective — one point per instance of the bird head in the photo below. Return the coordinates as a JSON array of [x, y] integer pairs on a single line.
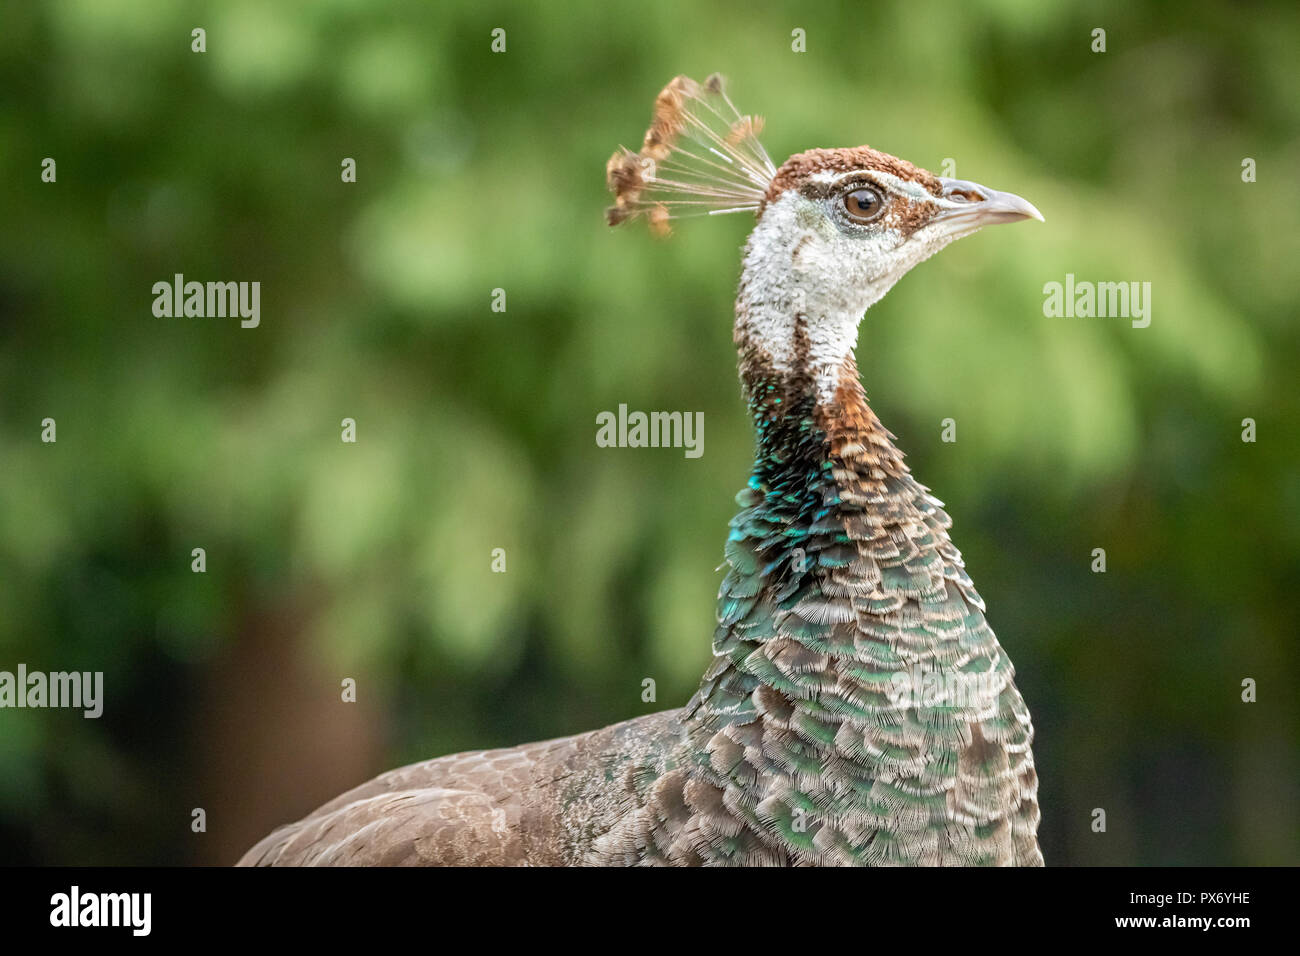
[[836, 228], [851, 222]]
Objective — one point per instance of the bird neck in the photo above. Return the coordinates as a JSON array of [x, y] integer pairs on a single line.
[[810, 412], [843, 596]]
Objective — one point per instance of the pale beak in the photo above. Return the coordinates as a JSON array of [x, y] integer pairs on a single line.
[[978, 206]]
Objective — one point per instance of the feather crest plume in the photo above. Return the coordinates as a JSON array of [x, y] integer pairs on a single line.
[[700, 156]]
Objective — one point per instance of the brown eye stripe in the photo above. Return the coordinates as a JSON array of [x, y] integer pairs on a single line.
[[910, 215], [796, 172]]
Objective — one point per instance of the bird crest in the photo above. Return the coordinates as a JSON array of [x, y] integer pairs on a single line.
[[700, 156]]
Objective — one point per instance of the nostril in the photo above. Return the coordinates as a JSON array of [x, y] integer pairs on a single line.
[[965, 195]]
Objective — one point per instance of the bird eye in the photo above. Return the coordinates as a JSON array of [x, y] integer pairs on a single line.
[[863, 205]]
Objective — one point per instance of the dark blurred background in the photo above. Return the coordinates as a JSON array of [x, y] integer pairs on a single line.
[[476, 429]]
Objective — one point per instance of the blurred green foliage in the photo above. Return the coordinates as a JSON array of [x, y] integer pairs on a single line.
[[476, 429]]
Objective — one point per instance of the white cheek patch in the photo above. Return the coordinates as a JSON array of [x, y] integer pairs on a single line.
[[810, 215]]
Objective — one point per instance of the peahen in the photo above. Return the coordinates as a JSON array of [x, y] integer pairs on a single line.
[[858, 709]]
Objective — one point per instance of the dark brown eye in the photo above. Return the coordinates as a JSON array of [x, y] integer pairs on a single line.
[[863, 204]]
